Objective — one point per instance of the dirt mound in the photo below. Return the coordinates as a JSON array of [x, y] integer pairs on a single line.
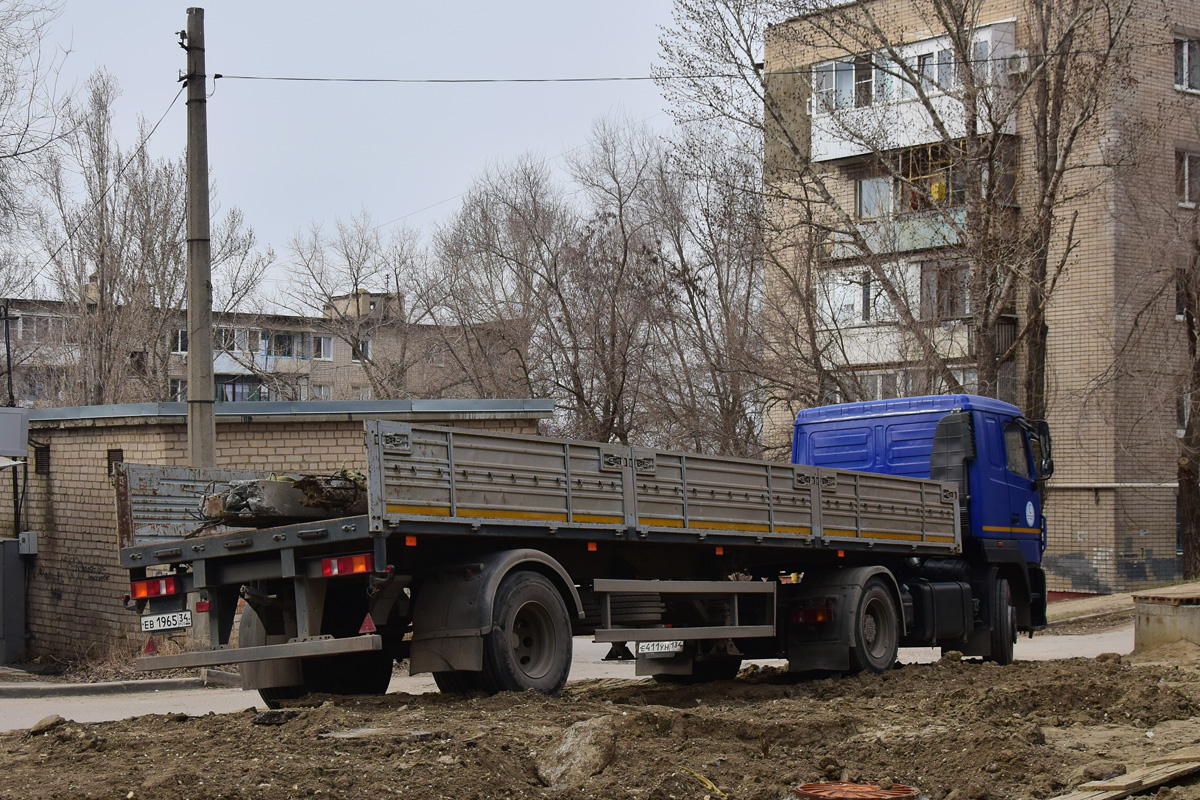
[[1026, 731]]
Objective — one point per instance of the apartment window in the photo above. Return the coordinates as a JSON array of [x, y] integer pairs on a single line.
[[823, 88], [947, 75], [238, 388], [37, 329], [360, 351], [247, 340], [838, 298], [873, 197], [927, 70], [322, 348], [179, 341], [178, 390], [929, 180], [981, 53], [864, 81], [321, 391], [945, 291], [280, 345], [224, 340], [1187, 64], [1187, 178]]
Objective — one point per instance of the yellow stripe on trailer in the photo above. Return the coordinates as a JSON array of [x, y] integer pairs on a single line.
[[497, 513], [421, 511]]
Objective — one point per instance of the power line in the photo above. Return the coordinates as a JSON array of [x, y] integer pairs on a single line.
[[95, 204], [633, 78], [304, 79]]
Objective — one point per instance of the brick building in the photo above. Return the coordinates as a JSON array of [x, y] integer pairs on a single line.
[[363, 347], [849, 118], [75, 584]]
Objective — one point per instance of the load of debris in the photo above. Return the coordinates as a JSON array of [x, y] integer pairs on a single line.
[[281, 499]]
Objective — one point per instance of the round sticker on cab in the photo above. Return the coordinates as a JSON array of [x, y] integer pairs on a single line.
[[1029, 513]]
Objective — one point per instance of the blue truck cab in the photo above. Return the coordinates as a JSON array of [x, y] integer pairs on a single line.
[[998, 457]]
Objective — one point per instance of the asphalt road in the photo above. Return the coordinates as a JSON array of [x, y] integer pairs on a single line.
[[17, 713]]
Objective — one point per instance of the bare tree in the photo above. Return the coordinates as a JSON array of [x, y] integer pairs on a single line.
[[941, 177], [367, 290], [563, 289], [31, 110], [113, 227]]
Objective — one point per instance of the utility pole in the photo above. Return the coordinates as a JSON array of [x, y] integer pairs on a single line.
[[201, 394]]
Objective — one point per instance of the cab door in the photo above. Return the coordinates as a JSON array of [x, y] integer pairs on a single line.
[[1025, 507]]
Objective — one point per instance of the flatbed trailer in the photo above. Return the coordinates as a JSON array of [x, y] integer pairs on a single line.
[[482, 553]]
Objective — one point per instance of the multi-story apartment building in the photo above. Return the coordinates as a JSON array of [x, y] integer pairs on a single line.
[[908, 154], [362, 348]]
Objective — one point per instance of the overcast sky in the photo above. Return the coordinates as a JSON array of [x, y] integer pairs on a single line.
[[288, 153]]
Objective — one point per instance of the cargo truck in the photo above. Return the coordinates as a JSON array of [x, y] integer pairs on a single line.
[[914, 522]]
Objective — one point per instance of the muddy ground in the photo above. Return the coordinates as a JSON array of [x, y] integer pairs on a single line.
[[958, 729]]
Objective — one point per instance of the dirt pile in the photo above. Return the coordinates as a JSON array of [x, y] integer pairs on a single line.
[[951, 729]]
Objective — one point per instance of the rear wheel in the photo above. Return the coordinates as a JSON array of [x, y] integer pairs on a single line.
[[252, 633], [456, 682], [1004, 623], [876, 629], [349, 673], [529, 646]]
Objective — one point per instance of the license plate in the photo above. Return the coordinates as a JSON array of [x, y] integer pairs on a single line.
[[166, 622], [648, 648]]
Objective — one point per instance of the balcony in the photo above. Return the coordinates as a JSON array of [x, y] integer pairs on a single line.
[[904, 233]]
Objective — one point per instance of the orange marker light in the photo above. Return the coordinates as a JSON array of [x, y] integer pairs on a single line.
[[720, 551], [410, 541], [591, 547], [841, 553]]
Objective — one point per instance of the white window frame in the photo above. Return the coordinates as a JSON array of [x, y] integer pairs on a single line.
[[364, 345], [178, 389], [179, 342], [325, 343], [1187, 51], [1190, 162]]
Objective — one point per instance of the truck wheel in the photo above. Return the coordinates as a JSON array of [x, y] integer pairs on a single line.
[[251, 633], [1004, 623], [349, 673], [876, 630], [453, 682], [529, 646]]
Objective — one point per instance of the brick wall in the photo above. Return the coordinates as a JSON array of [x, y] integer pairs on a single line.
[[75, 582]]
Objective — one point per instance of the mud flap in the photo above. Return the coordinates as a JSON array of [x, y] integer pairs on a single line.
[[452, 611]]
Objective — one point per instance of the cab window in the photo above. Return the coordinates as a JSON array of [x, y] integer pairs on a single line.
[[1014, 448]]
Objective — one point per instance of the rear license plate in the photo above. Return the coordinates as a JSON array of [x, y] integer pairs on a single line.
[[650, 648], [152, 623]]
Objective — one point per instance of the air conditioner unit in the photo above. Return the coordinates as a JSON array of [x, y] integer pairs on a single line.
[[1017, 62]]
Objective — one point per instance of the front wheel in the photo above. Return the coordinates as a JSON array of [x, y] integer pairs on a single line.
[[529, 646], [1004, 623], [876, 629]]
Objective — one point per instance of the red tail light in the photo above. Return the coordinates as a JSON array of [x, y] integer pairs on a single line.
[[812, 616], [156, 587], [347, 565]]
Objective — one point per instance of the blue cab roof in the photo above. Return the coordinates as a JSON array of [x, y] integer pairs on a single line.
[[944, 403]]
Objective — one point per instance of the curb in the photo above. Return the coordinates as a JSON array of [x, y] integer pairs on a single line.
[[31, 689]]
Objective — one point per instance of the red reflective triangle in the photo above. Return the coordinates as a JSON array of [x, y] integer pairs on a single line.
[[368, 625], [151, 647]]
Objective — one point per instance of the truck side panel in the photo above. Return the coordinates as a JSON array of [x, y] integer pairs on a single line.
[[445, 474]]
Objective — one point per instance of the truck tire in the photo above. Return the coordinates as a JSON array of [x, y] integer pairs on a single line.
[[1004, 623], [349, 673], [529, 646], [252, 634], [456, 682], [876, 629]]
